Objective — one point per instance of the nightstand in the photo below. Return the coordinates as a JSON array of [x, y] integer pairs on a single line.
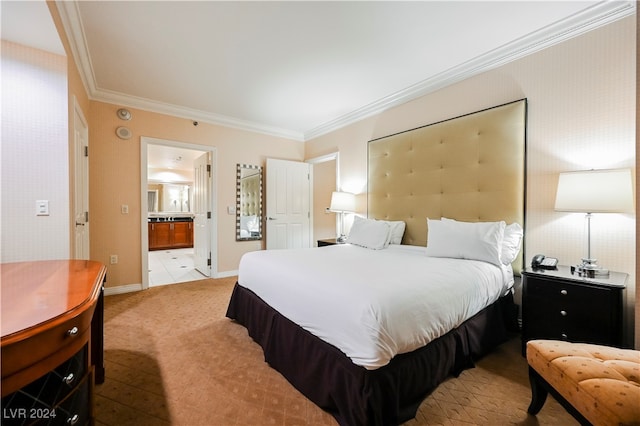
[[327, 242], [559, 305]]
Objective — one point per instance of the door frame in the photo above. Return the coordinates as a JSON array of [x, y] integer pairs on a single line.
[[81, 174], [144, 234], [333, 156], [201, 214]]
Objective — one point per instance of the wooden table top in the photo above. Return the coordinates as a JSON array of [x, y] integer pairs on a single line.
[[37, 292]]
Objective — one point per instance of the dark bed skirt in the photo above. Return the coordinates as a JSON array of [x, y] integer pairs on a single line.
[[352, 394]]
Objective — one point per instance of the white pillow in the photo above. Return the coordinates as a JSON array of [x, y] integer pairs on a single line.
[[466, 240], [369, 233], [511, 243], [247, 222], [397, 230]]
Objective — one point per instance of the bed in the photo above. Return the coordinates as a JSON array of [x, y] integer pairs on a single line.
[[368, 329]]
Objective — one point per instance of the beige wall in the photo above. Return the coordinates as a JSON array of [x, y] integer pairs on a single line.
[[34, 154], [51, 162], [76, 93], [115, 179], [581, 115], [637, 319], [115, 170]]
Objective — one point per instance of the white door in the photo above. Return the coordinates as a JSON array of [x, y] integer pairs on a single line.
[[81, 184], [202, 214], [288, 204]]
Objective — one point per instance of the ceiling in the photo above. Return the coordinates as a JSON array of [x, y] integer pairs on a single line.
[[297, 69], [170, 157], [39, 33]]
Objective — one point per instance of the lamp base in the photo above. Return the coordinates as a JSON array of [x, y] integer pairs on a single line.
[[341, 239], [590, 269]]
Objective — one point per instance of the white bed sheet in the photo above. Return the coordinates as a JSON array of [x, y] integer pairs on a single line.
[[372, 304]]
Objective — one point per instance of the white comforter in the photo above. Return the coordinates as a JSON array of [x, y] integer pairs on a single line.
[[372, 304]]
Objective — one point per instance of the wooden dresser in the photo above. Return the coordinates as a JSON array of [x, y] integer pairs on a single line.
[[52, 341]]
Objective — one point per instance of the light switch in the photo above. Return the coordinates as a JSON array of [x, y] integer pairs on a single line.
[[231, 209], [42, 207], [124, 209]]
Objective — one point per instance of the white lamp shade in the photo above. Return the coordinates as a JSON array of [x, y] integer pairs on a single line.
[[595, 191], [343, 202]]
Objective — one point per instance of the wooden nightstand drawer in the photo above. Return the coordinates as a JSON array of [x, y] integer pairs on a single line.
[[557, 305]]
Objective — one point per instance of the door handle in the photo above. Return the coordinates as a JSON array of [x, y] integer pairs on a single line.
[[272, 218], [79, 224]]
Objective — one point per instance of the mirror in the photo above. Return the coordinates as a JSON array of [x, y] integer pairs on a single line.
[[248, 202], [169, 198]]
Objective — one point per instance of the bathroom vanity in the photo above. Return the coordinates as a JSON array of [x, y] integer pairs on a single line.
[[170, 232]]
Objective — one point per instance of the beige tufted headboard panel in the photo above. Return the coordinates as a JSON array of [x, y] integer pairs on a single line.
[[250, 193], [470, 168]]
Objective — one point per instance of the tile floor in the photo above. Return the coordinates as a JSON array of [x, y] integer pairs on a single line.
[[172, 266]]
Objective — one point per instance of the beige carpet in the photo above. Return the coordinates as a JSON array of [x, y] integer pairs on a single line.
[[172, 357]]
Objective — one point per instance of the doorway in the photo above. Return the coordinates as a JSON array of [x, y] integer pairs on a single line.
[[313, 193], [326, 179], [288, 202], [168, 192], [81, 182]]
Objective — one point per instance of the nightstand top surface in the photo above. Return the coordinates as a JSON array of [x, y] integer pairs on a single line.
[[615, 279]]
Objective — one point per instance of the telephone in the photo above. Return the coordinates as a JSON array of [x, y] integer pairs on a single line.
[[543, 262]]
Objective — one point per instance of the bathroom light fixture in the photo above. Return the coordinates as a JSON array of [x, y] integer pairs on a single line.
[[594, 191]]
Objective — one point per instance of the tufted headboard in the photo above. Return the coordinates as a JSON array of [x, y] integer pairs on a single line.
[[250, 192], [470, 168]]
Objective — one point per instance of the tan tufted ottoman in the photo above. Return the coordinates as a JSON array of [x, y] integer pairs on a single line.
[[598, 385]]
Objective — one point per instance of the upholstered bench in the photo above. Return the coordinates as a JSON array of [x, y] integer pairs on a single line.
[[598, 385]]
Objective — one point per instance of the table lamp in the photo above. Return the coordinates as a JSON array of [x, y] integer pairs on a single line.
[[342, 202], [594, 191]]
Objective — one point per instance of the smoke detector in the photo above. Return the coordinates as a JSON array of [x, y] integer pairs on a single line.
[[124, 114]]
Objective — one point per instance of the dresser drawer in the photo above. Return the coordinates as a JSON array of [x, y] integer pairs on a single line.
[[58, 343], [53, 387], [54, 398], [75, 409]]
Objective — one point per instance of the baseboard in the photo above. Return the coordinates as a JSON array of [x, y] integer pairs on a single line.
[[226, 274], [121, 289], [130, 288]]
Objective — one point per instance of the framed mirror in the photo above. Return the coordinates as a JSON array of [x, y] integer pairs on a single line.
[[168, 197], [248, 202]]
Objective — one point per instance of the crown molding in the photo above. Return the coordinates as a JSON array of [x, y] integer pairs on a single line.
[[193, 114], [594, 17], [70, 16]]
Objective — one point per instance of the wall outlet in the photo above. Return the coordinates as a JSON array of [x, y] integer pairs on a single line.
[[113, 259]]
